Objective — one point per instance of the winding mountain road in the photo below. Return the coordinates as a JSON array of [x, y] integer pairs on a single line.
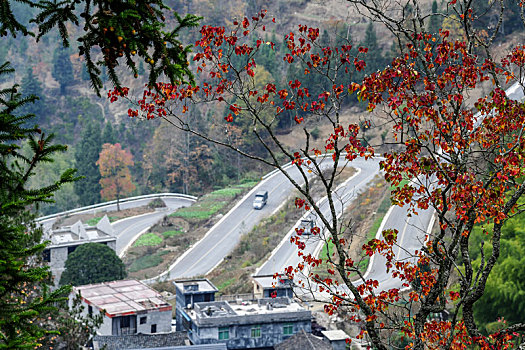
[[222, 238], [286, 253]]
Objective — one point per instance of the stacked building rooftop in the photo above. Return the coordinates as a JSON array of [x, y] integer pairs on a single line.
[[240, 324], [65, 240]]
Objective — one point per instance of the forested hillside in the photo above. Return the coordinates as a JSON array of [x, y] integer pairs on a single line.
[[117, 155], [164, 159]]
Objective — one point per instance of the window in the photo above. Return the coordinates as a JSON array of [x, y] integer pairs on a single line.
[[224, 333], [256, 331], [288, 329], [71, 249], [186, 322], [153, 328], [46, 255], [124, 325], [90, 310], [143, 319], [125, 322]]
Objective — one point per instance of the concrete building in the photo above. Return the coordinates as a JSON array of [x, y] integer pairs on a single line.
[[219, 346], [254, 324], [189, 292], [130, 307], [66, 239], [303, 341], [247, 325], [337, 339], [266, 286]]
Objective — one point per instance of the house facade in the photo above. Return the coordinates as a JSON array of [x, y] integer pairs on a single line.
[[268, 286], [189, 292], [129, 307], [247, 325], [65, 240], [240, 324]]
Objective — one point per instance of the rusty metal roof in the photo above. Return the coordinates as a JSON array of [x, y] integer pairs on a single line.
[[125, 297]]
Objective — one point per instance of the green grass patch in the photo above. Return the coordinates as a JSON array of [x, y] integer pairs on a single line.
[[385, 205], [201, 211], [362, 266], [212, 203], [328, 247], [375, 227], [225, 192], [171, 233], [148, 239], [226, 283], [381, 211], [248, 184], [147, 261], [94, 221]]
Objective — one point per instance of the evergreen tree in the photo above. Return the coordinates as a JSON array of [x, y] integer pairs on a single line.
[[75, 324], [141, 70], [62, 69], [374, 60], [22, 46], [108, 136], [344, 37], [125, 31], [30, 86], [103, 75], [92, 263], [267, 58], [324, 40], [24, 287], [435, 21], [86, 156], [63, 199]]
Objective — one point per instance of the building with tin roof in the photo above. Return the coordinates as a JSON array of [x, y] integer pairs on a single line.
[[129, 307]]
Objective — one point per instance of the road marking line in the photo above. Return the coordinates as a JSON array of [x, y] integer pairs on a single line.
[[210, 231], [320, 203], [378, 236], [216, 244], [229, 233]]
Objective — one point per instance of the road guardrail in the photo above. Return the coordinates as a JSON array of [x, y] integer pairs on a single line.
[[124, 200]]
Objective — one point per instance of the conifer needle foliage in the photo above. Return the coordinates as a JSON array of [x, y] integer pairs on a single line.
[[115, 32], [25, 298]]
